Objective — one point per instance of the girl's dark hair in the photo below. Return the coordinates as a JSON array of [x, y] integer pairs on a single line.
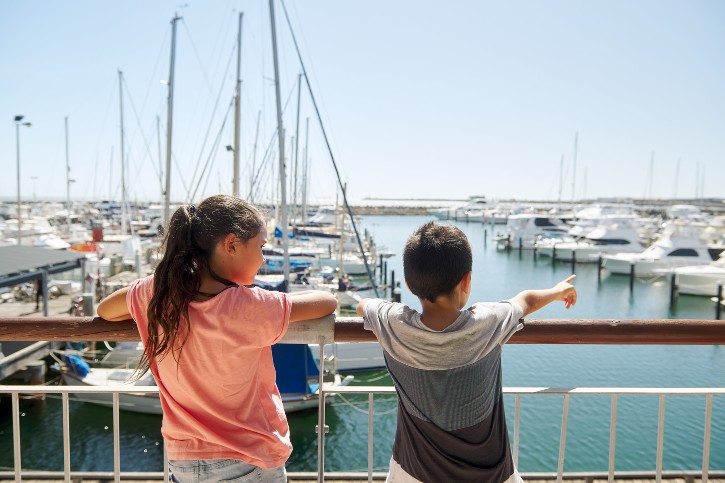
[[189, 241], [435, 259]]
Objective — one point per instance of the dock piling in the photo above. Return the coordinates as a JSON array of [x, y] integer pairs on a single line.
[[599, 268], [718, 302], [396, 292], [553, 255], [631, 276], [392, 282], [381, 269], [673, 289], [573, 261]]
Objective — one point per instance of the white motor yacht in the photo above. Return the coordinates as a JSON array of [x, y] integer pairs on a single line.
[[701, 279], [612, 238], [680, 245], [526, 229]]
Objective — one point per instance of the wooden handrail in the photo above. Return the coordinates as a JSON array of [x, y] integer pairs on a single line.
[[350, 329]]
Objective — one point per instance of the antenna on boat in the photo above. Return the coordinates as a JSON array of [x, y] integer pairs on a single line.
[[561, 177], [677, 178]]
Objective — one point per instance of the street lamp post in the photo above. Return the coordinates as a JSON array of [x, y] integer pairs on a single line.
[[18, 122]]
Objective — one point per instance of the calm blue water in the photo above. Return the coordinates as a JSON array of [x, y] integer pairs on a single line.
[[496, 275]]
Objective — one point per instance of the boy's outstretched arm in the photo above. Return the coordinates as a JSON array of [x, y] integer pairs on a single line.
[[533, 300], [360, 307]]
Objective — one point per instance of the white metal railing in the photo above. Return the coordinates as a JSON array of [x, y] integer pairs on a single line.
[[65, 391], [517, 392]]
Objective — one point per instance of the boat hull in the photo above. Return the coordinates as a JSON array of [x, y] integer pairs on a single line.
[[622, 264], [702, 282]]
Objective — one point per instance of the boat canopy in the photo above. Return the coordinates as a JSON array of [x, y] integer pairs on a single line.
[[294, 364]]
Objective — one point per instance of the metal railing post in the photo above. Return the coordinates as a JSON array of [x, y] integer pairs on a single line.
[[16, 435], [660, 437], [612, 438], [116, 439], [371, 413], [66, 437], [562, 439], [706, 439], [321, 415], [517, 425]]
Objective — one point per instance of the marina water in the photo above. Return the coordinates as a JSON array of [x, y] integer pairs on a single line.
[[497, 275]]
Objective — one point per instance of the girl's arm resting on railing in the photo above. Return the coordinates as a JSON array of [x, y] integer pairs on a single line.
[[533, 300], [311, 304], [113, 308]]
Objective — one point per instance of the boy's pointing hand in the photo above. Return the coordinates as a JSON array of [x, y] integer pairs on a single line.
[[567, 291]]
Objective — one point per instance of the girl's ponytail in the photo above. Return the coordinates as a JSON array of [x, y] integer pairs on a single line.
[[176, 281]]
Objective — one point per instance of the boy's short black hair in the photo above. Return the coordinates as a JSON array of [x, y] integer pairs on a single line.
[[435, 259]]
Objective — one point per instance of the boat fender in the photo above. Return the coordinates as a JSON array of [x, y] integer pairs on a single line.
[[77, 365]]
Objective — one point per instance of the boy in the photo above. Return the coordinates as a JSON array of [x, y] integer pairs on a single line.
[[446, 363]]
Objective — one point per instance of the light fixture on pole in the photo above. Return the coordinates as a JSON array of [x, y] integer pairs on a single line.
[[18, 123]]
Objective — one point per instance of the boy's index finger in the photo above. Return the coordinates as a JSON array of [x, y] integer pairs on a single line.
[[570, 279]]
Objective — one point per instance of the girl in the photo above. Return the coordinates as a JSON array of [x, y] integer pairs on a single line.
[[208, 339]]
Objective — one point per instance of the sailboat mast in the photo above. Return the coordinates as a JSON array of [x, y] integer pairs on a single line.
[[169, 120], [67, 176], [254, 160], [573, 178], [561, 177], [280, 137], [340, 270], [158, 143], [304, 172], [297, 147], [237, 109], [124, 217]]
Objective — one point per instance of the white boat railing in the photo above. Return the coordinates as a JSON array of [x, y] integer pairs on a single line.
[[371, 391]]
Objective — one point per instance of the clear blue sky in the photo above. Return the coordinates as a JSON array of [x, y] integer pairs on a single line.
[[420, 99]]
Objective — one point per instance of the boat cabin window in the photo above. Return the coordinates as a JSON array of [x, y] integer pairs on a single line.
[[609, 241], [715, 252], [543, 222], [683, 252]]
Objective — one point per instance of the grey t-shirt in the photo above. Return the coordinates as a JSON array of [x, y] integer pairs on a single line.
[[451, 421]]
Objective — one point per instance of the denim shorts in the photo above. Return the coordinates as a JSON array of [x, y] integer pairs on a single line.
[[193, 471]]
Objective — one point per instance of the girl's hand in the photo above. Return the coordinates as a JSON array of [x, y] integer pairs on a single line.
[[566, 291]]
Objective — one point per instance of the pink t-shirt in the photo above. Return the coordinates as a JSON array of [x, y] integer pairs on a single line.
[[221, 401]]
